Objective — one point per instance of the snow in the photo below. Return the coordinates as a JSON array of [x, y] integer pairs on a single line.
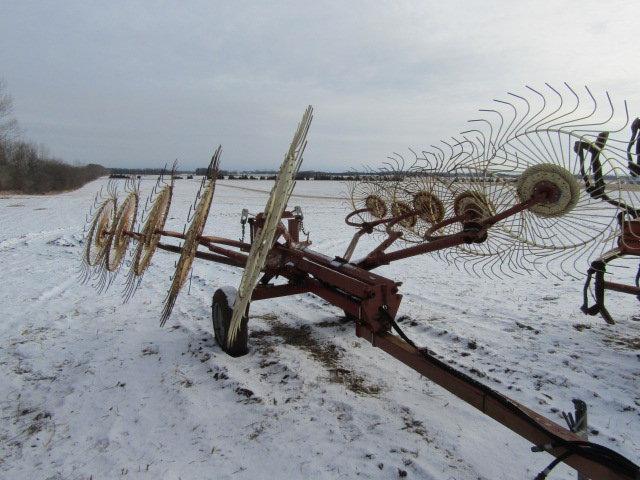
[[231, 293], [93, 388]]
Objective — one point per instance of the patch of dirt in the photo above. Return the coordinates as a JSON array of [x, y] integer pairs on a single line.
[[29, 422], [247, 395], [327, 354], [256, 431], [37, 423], [407, 320], [334, 323], [632, 343], [260, 341], [527, 327], [581, 326], [150, 349], [415, 426], [267, 316]]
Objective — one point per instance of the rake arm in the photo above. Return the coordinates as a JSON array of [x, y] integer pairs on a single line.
[[597, 188]]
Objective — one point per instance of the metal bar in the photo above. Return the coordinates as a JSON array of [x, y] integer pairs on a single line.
[[439, 244], [622, 288], [535, 199], [169, 233], [364, 225], [368, 226], [282, 231], [333, 277], [209, 239], [262, 292], [489, 405], [134, 235], [377, 258], [434, 228], [226, 241], [348, 304], [226, 252], [352, 244], [341, 266], [204, 255], [294, 229], [386, 243]]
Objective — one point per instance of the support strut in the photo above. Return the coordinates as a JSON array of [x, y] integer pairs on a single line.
[[525, 422]]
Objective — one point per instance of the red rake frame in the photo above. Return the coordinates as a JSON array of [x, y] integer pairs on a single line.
[[372, 302]]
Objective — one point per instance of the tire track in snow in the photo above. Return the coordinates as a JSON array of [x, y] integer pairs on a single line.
[[13, 241], [56, 290]]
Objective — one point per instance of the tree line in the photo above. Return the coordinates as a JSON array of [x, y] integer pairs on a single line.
[[24, 167]]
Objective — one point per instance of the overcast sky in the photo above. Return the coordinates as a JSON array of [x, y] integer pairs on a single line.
[[134, 84]]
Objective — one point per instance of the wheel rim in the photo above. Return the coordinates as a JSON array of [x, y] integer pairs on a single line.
[[119, 241], [560, 178], [97, 241]]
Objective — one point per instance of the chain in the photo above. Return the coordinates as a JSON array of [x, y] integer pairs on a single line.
[[303, 230], [243, 221], [297, 211]]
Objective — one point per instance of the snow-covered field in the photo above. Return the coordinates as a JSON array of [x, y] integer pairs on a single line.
[[92, 388]]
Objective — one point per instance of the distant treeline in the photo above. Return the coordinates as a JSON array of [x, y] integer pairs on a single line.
[[270, 175], [26, 168], [299, 176], [144, 171]]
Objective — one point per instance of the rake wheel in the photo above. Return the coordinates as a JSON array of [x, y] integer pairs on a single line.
[[262, 243], [376, 206], [189, 248], [369, 193], [98, 239], [555, 175], [119, 240], [149, 238], [430, 207], [398, 207], [475, 204]]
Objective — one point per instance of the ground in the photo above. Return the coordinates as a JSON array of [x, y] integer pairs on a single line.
[[92, 388]]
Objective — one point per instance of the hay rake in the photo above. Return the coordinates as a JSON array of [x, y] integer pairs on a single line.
[[538, 187]]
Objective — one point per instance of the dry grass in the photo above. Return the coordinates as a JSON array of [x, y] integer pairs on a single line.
[[631, 343], [327, 354]]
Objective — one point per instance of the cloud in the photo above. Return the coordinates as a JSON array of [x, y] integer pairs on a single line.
[[139, 84]]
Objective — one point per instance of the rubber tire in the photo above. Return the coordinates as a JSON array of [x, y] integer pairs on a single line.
[[221, 313]]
